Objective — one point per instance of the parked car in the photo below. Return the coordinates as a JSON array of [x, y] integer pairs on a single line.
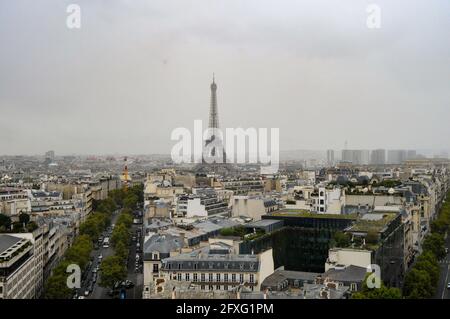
[[448, 285]]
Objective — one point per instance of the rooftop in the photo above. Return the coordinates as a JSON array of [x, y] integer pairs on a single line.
[[373, 222], [306, 214]]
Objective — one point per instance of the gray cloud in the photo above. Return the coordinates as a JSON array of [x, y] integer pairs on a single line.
[[138, 69]]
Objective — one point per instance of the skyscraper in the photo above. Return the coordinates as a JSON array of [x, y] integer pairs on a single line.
[[378, 157], [330, 157]]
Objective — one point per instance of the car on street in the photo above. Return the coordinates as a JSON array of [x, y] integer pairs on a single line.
[[100, 257], [87, 292], [448, 285], [81, 297], [128, 284]]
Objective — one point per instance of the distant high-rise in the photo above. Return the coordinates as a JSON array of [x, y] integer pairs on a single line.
[[330, 157], [357, 157], [399, 156], [378, 157]]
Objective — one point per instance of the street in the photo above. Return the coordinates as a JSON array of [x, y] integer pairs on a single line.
[[99, 292], [444, 279]]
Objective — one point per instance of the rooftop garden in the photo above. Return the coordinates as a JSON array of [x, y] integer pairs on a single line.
[[22, 225], [242, 232], [364, 225], [345, 240], [307, 214]]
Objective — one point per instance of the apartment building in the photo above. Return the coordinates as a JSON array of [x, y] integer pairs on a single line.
[[17, 268], [216, 268]]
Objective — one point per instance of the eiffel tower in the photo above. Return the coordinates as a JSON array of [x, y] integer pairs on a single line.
[[213, 126]]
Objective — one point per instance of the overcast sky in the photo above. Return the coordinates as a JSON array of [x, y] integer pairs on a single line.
[[136, 70]]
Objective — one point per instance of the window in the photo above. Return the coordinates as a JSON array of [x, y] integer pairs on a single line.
[[233, 277], [195, 277], [187, 276], [225, 287], [155, 256], [210, 277], [241, 278], [179, 277], [179, 266], [195, 266], [353, 286], [218, 287], [155, 268], [217, 277], [202, 287], [225, 279], [202, 277], [252, 278], [211, 287]]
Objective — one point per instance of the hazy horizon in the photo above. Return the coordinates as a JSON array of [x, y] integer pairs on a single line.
[[136, 70]]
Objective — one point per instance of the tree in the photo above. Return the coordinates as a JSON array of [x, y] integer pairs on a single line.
[[125, 219], [5, 221], [418, 284], [120, 234], [371, 237], [382, 292], [24, 218], [80, 251], [342, 239], [113, 270], [130, 201], [121, 250], [439, 225], [56, 285], [435, 243], [428, 262]]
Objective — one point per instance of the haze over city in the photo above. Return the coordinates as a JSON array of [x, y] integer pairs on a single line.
[[136, 70]]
